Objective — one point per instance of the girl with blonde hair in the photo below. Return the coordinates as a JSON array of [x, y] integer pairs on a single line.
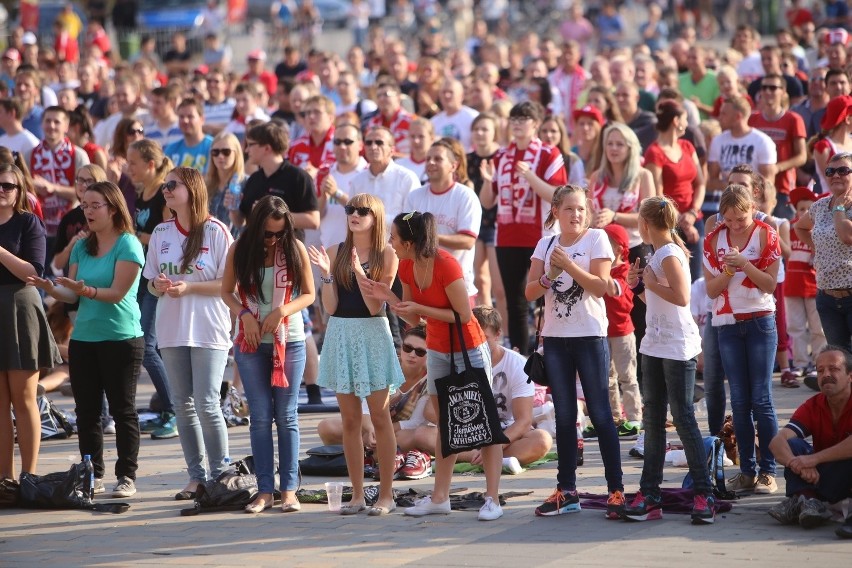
[[225, 180]]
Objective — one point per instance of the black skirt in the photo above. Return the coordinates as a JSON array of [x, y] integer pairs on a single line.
[[26, 342]]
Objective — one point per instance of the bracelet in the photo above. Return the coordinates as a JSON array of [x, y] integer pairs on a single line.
[[839, 208], [243, 312], [637, 284], [545, 282], [725, 268], [94, 293], [339, 195], [328, 280]]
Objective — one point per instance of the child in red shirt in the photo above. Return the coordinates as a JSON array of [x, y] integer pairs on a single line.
[[800, 290], [622, 341]]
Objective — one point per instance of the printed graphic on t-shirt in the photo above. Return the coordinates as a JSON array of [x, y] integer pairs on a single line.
[[500, 385], [566, 297], [733, 154]]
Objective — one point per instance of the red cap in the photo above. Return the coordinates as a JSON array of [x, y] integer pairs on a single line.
[[201, 70], [619, 235], [836, 112], [590, 111], [12, 54], [801, 194], [837, 35]]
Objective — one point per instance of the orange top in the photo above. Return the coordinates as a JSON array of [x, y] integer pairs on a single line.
[[446, 271]]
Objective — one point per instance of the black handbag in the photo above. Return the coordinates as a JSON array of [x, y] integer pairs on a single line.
[[467, 416], [534, 367], [325, 461], [63, 490]]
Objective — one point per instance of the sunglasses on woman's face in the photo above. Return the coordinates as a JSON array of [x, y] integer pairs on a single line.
[[842, 171], [226, 152], [134, 131], [417, 351], [169, 186], [273, 235], [8, 186], [362, 211]]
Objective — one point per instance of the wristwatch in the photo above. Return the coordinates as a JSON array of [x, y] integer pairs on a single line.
[[841, 208]]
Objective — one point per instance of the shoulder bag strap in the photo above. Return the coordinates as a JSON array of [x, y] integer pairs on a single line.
[[458, 326], [540, 303]]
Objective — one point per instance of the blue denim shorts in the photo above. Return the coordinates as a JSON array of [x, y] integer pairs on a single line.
[[438, 364]]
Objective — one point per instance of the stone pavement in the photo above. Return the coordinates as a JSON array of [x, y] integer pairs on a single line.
[[153, 532]]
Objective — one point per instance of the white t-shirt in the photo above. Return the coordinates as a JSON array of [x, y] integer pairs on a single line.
[[456, 126], [392, 186], [419, 168], [755, 148], [510, 382], [671, 333], [571, 311], [23, 142], [456, 211], [333, 223], [105, 129], [194, 320], [163, 136]]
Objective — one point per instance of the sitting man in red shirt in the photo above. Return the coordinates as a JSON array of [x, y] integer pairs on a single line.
[[822, 472]]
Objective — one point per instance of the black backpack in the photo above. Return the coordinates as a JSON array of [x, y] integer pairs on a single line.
[[235, 488], [62, 490]]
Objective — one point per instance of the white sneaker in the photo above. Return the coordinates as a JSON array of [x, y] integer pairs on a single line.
[[638, 449], [109, 426], [512, 466], [491, 511], [425, 506]]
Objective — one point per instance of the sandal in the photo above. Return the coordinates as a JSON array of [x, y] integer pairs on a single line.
[[789, 380]]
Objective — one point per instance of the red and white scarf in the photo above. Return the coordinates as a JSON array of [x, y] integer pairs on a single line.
[[629, 199], [571, 95], [722, 311], [281, 294], [516, 200], [57, 165]]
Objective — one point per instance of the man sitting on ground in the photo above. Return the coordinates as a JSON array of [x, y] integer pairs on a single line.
[[822, 472]]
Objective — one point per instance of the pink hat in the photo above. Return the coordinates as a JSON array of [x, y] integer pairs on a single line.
[[257, 54], [590, 111], [836, 112], [12, 54]]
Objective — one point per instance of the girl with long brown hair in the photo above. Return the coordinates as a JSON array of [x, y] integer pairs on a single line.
[[359, 360], [185, 265]]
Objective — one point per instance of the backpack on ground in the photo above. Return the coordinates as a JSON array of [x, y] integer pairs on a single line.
[[63, 490], [716, 466], [235, 488]]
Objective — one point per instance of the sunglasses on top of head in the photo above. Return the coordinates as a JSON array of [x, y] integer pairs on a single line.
[[362, 211]]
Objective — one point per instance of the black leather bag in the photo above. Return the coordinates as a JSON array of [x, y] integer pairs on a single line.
[[62, 490], [468, 417], [534, 368], [325, 461]]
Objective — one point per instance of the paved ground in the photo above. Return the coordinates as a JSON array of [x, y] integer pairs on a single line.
[[153, 532]]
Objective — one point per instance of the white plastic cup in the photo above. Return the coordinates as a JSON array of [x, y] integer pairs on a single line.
[[334, 490]]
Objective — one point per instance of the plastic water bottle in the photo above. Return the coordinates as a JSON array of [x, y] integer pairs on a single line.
[[235, 190], [90, 475], [227, 462]]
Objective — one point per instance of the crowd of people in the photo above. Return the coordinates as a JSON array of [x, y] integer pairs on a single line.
[[680, 213]]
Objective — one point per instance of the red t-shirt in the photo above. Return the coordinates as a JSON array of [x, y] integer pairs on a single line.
[[800, 281], [618, 308], [813, 418], [303, 150], [782, 131], [677, 176], [717, 104], [551, 168], [445, 271]]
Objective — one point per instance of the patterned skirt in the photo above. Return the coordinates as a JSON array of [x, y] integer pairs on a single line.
[[358, 357], [26, 342]]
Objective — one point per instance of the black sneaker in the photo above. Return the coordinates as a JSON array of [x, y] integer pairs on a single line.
[[559, 503], [813, 513], [787, 511], [845, 530], [703, 510], [644, 508], [811, 381]]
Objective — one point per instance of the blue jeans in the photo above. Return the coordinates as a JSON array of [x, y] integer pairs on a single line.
[[564, 359], [668, 382], [152, 361], [748, 356], [268, 403], [438, 364], [195, 377], [714, 378], [835, 478], [835, 314]]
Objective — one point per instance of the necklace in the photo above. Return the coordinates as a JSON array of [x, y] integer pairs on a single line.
[[574, 242], [425, 276]]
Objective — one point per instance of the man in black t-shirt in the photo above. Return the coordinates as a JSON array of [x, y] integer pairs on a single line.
[[266, 145]]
